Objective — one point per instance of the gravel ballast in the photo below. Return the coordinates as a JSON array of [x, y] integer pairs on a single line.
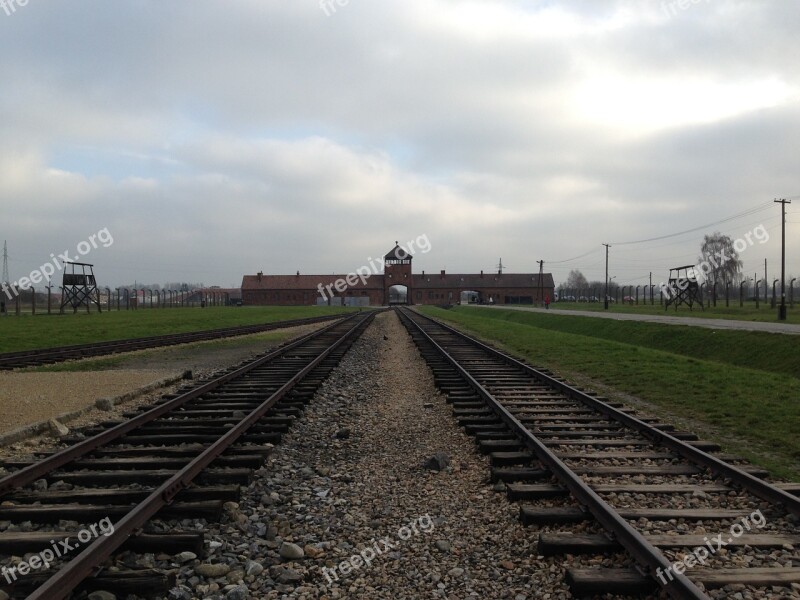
[[349, 480], [377, 493]]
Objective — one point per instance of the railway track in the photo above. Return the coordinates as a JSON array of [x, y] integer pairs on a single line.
[[45, 356], [181, 459], [676, 517]]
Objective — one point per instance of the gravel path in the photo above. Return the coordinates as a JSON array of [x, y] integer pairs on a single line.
[[31, 397], [199, 357], [348, 481], [668, 319], [36, 396]]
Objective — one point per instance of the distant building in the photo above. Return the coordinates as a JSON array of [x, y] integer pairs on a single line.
[[397, 285], [214, 294]]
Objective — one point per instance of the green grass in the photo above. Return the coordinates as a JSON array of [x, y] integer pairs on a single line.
[[751, 411], [776, 353], [258, 341], [44, 331], [748, 312]]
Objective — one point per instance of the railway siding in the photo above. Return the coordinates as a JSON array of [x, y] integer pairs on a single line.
[[212, 434], [538, 431]]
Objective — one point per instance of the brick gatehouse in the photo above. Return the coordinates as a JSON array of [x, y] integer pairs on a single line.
[[397, 285]]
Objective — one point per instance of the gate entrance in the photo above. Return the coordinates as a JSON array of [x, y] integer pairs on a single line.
[[397, 278], [471, 297], [398, 294]]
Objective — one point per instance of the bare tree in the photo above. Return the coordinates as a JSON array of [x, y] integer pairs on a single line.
[[576, 280], [719, 262]]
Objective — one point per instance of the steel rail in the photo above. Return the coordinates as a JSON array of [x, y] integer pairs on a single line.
[[35, 471], [752, 484], [680, 587], [23, 358], [73, 573]]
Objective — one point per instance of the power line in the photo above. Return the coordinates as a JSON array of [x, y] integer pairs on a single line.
[[756, 209], [684, 242], [746, 213], [558, 262]]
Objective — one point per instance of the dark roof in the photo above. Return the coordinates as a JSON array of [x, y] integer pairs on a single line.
[[488, 280], [398, 253]]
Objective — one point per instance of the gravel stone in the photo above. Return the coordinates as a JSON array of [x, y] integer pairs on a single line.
[[438, 462], [185, 557], [240, 592], [212, 570], [443, 545], [291, 551], [102, 595], [105, 404], [57, 428]]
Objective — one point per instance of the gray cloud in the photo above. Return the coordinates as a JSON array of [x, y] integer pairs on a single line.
[[215, 139]]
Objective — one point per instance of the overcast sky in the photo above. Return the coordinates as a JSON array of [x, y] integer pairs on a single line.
[[216, 139]]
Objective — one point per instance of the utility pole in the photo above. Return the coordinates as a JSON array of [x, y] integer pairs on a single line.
[[651, 288], [766, 289], [541, 281], [605, 301], [6, 276], [5, 284], [782, 308]]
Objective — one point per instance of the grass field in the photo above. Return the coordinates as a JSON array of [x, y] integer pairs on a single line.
[[756, 350], [43, 331], [748, 312], [724, 386], [257, 342]]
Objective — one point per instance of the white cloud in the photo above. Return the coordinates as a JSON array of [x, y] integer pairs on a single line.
[[642, 106], [215, 140]]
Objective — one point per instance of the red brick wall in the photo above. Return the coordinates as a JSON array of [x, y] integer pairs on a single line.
[[498, 295], [300, 297], [308, 297]]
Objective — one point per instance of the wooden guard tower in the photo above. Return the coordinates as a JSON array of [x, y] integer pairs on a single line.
[[683, 288], [80, 288]]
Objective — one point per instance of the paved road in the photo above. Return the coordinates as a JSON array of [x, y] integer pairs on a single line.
[[788, 328]]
